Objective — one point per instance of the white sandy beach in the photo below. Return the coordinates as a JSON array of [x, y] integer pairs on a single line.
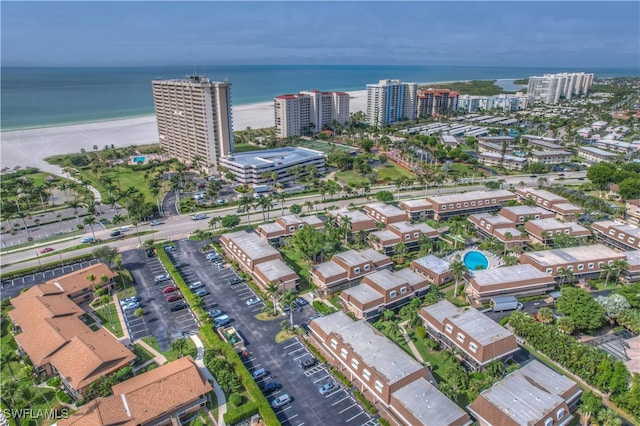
[[30, 147]]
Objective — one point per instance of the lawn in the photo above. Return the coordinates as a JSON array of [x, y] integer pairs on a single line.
[[170, 354], [351, 178], [391, 172], [144, 354], [246, 147], [299, 265], [123, 178], [440, 363], [104, 315]]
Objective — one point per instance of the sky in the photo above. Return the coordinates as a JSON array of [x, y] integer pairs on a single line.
[[513, 33]]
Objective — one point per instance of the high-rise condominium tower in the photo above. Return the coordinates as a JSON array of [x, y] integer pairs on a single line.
[[550, 88], [194, 119], [391, 101], [309, 111]]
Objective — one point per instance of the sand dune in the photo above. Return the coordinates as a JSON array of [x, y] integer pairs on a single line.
[[30, 147]]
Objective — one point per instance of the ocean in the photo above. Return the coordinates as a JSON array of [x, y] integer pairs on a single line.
[[41, 97]]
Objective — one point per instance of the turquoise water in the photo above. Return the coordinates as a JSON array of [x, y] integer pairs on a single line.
[[39, 97], [138, 160], [474, 260]]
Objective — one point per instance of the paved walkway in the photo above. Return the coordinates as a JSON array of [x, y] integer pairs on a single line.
[[407, 339], [222, 401], [157, 356]]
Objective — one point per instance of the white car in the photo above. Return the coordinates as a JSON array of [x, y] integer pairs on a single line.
[[280, 401], [130, 306], [253, 301]]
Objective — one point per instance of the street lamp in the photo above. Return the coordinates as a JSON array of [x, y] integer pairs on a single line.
[[38, 257]]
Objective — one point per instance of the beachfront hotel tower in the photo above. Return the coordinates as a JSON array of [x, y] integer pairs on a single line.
[[550, 88], [309, 112], [194, 119], [390, 101]]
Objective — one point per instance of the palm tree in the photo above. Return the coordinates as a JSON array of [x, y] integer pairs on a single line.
[[565, 273], [91, 220], [608, 269], [179, 345], [619, 266], [22, 216], [27, 394], [74, 204], [213, 222], [7, 357], [281, 197], [345, 224], [458, 268], [246, 203], [117, 219], [507, 236], [288, 298], [265, 203], [274, 292]]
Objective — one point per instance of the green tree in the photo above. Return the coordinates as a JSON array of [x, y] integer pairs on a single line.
[[295, 209], [179, 345], [274, 293], [230, 221], [545, 315], [458, 268], [366, 145], [589, 405], [309, 242], [578, 304], [629, 188], [384, 196], [601, 174], [106, 254]]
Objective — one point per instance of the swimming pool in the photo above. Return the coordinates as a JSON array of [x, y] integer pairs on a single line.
[[474, 260], [138, 160]]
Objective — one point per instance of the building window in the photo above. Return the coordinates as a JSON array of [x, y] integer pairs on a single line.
[[408, 236], [466, 204], [343, 352], [493, 201], [417, 235], [612, 232], [393, 294], [334, 344], [610, 262], [448, 328], [356, 270], [580, 267], [301, 226], [631, 240], [292, 228], [378, 386], [444, 207], [355, 363], [367, 267], [621, 236], [590, 266], [560, 413], [549, 271], [473, 204], [403, 290], [479, 203], [566, 231], [548, 422], [450, 206], [473, 347], [460, 337], [570, 267], [366, 374], [458, 205]]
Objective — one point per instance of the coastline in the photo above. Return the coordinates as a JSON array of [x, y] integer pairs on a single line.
[[29, 147]]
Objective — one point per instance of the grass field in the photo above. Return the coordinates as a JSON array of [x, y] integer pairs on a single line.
[[123, 178], [325, 146], [351, 177], [246, 147], [104, 315], [390, 172]]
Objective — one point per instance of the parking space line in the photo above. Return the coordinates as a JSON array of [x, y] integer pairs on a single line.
[[287, 408], [348, 408], [300, 424], [292, 417], [297, 350], [340, 400], [321, 378], [293, 344], [301, 356], [255, 367], [357, 415]]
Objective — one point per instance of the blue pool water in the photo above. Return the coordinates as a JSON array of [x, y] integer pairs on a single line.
[[474, 260], [138, 160]]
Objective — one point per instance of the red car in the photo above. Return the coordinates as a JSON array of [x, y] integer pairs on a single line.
[[46, 250], [174, 297], [170, 289]]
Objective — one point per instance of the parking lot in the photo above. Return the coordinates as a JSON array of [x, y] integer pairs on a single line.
[[11, 288]]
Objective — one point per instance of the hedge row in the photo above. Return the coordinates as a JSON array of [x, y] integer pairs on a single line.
[[368, 405], [341, 377], [211, 340], [315, 351]]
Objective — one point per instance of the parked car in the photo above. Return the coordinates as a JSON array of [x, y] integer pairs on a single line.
[[202, 292], [235, 280], [174, 297], [130, 306], [221, 320], [280, 401], [214, 313], [178, 306], [46, 250], [129, 300], [181, 264], [169, 289], [307, 363], [162, 278], [301, 301], [253, 301], [88, 240], [156, 222], [169, 248], [196, 285], [259, 373], [150, 252], [269, 387], [327, 387]]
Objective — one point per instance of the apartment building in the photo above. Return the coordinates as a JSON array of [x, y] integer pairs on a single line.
[[194, 119], [493, 148], [346, 270], [551, 88], [396, 383], [309, 112], [286, 226], [550, 157], [168, 395], [500, 141], [259, 259], [632, 211], [498, 227], [585, 262], [51, 332], [544, 231], [596, 155], [383, 290], [384, 213], [532, 395], [520, 214], [617, 235], [436, 270], [416, 209], [391, 101], [477, 338], [256, 167], [434, 102], [445, 206], [401, 232], [632, 271], [517, 281], [562, 208], [358, 221], [542, 143], [509, 162]]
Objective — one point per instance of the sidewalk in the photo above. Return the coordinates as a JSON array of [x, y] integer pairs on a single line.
[[222, 401], [158, 358], [407, 339]]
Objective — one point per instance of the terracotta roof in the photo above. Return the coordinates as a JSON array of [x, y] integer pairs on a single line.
[[77, 280], [146, 397]]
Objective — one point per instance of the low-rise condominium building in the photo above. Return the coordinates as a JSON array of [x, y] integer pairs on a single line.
[[562, 208], [401, 232], [545, 231], [445, 206], [617, 235], [436, 270], [286, 226], [384, 213], [517, 281]]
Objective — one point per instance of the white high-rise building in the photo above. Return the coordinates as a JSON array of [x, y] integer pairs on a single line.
[[391, 101], [309, 111], [551, 88], [194, 119]]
